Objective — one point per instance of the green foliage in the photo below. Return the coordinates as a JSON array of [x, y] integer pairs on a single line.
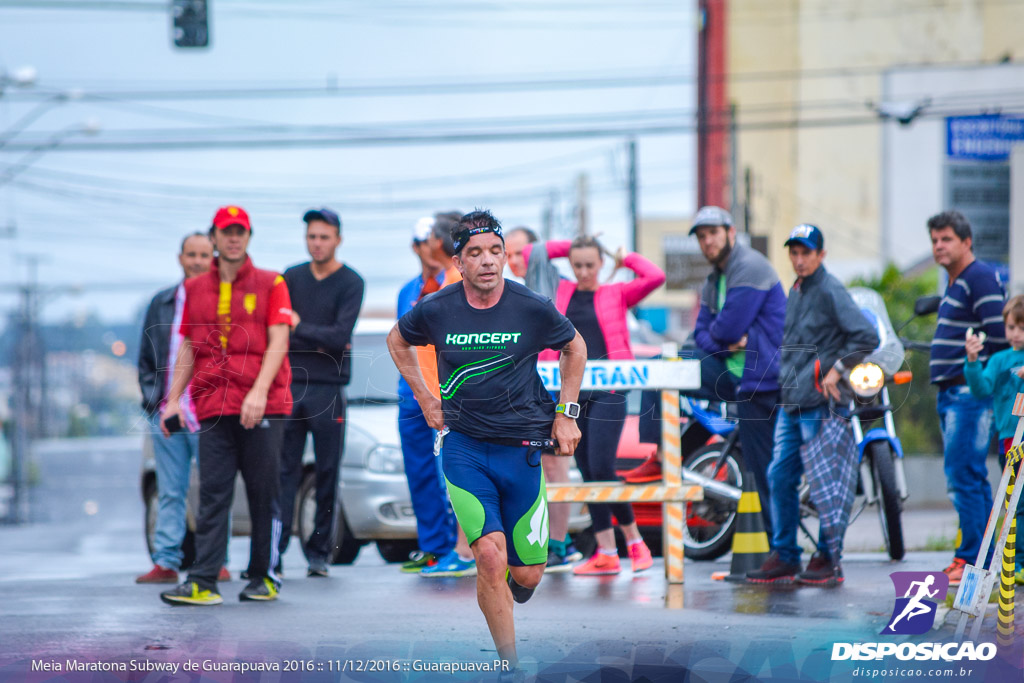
[[913, 404], [939, 544]]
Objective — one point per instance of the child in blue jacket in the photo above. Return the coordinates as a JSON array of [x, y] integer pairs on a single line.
[[1002, 378]]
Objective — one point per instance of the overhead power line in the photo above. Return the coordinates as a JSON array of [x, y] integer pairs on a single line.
[[283, 137], [406, 89], [567, 82], [533, 170]]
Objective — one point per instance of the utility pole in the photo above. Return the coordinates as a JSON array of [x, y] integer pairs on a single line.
[[581, 204], [547, 217], [29, 362], [746, 200], [733, 172], [711, 102], [634, 200]]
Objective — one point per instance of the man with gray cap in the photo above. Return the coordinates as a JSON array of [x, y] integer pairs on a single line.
[[825, 334], [737, 334], [327, 295], [739, 331]]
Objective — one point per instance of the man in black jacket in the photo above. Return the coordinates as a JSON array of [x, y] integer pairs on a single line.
[[825, 334], [326, 297], [173, 455]]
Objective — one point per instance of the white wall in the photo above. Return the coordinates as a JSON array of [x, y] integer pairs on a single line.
[[1017, 220], [913, 156]]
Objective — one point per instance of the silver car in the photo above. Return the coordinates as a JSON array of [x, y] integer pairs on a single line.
[[373, 492]]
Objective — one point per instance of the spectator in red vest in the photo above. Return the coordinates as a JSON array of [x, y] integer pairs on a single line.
[[234, 359]]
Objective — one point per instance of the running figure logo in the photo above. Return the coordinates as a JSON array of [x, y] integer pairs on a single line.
[[914, 613]]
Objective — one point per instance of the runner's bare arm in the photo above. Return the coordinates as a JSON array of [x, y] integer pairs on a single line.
[[571, 362], [182, 376], [404, 355], [255, 402]]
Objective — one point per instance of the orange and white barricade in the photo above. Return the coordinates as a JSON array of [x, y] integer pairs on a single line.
[[669, 376]]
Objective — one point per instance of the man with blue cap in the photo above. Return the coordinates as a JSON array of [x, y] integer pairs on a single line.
[[825, 333]]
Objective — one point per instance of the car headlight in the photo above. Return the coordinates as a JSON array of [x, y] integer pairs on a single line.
[[867, 379], [386, 460]]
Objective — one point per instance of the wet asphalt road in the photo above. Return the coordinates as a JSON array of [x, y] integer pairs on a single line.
[[67, 581]]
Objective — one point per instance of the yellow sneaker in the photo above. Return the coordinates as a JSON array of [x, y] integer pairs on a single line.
[[189, 593], [261, 589]]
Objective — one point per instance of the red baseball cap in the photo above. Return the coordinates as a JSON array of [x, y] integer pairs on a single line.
[[231, 215]]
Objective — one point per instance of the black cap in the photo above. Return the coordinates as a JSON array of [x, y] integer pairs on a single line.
[[323, 214]]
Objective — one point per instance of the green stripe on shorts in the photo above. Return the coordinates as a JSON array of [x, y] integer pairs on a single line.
[[530, 535], [469, 511]]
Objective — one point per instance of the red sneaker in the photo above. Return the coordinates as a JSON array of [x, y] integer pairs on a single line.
[[158, 574], [955, 571], [648, 470], [640, 557], [598, 565], [224, 574]]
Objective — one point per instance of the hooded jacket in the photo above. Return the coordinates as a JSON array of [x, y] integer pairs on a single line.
[[755, 305]]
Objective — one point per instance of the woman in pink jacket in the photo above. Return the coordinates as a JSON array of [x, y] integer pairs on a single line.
[[599, 314]]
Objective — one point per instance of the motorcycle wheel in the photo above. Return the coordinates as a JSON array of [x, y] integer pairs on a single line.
[[710, 523], [888, 497]]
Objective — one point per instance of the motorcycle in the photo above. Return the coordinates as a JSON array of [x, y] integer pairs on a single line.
[[715, 460]]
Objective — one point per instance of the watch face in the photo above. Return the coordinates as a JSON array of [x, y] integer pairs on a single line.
[[572, 410]]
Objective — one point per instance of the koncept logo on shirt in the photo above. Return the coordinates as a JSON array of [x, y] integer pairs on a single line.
[[477, 340]]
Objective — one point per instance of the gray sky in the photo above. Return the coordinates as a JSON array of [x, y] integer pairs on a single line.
[[118, 216]]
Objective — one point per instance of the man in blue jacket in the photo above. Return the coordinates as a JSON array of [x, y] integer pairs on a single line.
[[739, 331], [738, 334]]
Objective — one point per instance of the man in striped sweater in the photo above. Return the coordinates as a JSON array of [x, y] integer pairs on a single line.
[[973, 299]]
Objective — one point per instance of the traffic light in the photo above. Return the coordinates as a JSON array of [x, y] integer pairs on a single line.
[[191, 28]]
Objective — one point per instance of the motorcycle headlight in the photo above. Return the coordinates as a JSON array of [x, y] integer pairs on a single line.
[[385, 460], [867, 379]]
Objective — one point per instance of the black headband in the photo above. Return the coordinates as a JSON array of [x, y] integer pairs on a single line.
[[460, 238]]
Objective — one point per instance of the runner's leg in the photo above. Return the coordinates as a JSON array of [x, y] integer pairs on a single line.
[[493, 595], [476, 501]]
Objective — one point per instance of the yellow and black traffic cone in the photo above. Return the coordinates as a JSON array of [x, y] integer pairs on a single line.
[[750, 542]]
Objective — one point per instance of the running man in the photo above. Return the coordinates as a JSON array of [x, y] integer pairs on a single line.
[[487, 333], [915, 607]]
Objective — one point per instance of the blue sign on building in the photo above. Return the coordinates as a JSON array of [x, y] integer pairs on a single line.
[[985, 137]]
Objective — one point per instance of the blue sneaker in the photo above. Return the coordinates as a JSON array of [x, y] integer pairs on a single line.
[[450, 565], [571, 553], [557, 563]]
